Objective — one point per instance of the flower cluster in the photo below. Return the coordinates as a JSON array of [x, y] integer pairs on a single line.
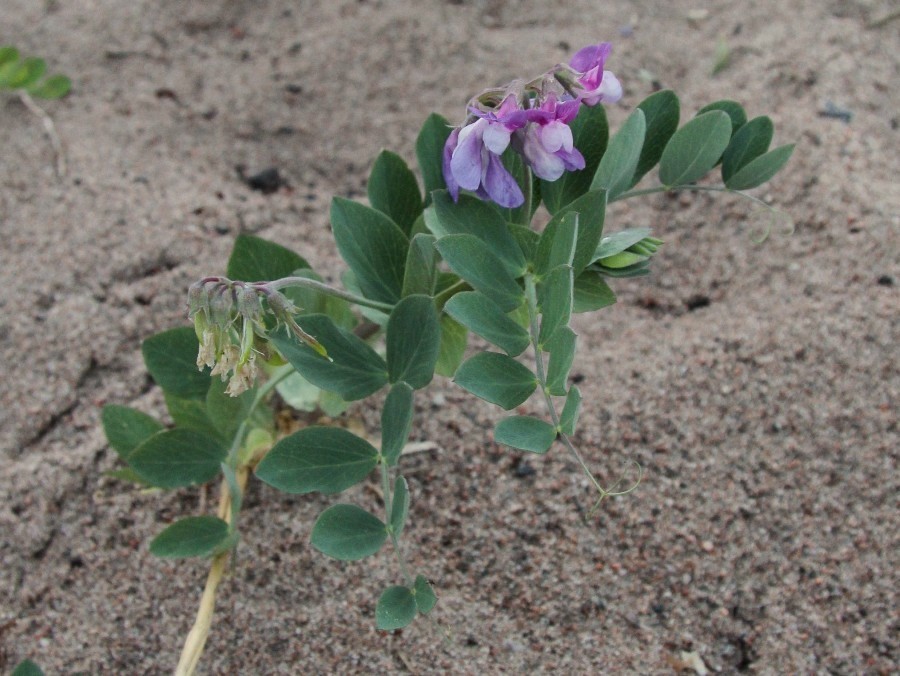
[[533, 118], [229, 321]]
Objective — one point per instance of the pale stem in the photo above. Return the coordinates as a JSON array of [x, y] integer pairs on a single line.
[[196, 639], [49, 129]]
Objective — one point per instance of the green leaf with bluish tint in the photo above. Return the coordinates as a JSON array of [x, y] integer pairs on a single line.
[[568, 419], [393, 190], [496, 378], [526, 238], [356, 370], [760, 170], [425, 596], [396, 421], [733, 109], [191, 414], [748, 143], [472, 216], [193, 536], [429, 152], [662, 113], [127, 428], [468, 257], [591, 292], [396, 608], [323, 459], [178, 457], [454, 337], [413, 341], [562, 353], [171, 358], [373, 246], [525, 433], [695, 149], [27, 668], [620, 161], [555, 300], [421, 266], [484, 317], [254, 259], [348, 533], [590, 132], [591, 210], [557, 244], [399, 506]]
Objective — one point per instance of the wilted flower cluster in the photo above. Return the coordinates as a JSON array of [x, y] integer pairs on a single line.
[[533, 118], [229, 321]]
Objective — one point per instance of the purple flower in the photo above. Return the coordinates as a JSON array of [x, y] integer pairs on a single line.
[[599, 85], [471, 157], [548, 145]]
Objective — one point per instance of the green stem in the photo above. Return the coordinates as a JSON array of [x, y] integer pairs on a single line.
[[277, 376], [534, 330], [695, 188], [322, 287], [441, 299]]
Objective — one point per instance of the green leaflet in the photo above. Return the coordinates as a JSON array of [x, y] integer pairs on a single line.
[[484, 317], [748, 143], [695, 149], [525, 433], [399, 506], [496, 378], [396, 608], [557, 244], [193, 536], [393, 190], [425, 597], [454, 337], [421, 266], [396, 422], [760, 170], [662, 112], [254, 259], [413, 341], [373, 246], [568, 419], [616, 171], [127, 428], [555, 297], [323, 459], [177, 457], [356, 370], [471, 216], [171, 358], [429, 150], [468, 257], [348, 533]]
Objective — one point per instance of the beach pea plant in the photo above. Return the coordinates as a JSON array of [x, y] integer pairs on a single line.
[[507, 243]]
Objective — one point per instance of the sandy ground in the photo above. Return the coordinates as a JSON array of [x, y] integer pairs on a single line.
[[757, 385]]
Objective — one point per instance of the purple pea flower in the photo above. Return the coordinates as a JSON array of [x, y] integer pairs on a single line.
[[548, 145], [471, 158], [599, 85]]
